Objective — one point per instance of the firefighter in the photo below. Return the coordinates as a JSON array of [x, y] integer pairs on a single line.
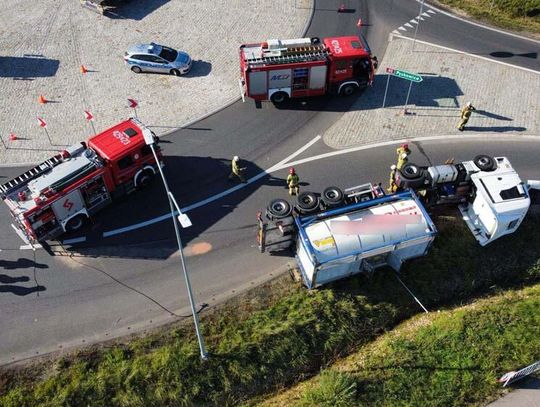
[[403, 153], [392, 182], [465, 115], [236, 170], [293, 182]]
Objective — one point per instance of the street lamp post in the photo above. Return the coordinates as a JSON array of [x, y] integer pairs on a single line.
[[184, 220]]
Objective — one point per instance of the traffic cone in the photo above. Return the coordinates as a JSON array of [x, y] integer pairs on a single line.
[[83, 69], [12, 137], [341, 8], [42, 99]]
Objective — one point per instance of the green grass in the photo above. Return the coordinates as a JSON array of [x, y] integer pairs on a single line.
[[278, 334], [445, 359], [520, 15]]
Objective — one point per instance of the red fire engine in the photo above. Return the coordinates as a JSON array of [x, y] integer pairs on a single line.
[[59, 194], [277, 70]]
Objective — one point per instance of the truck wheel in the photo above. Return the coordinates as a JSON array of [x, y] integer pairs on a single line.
[[136, 69], [75, 223], [144, 179], [175, 72], [277, 209], [332, 196], [485, 162], [411, 176], [307, 202], [279, 98], [348, 90]]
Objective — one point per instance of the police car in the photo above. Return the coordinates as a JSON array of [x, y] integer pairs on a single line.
[[157, 58]]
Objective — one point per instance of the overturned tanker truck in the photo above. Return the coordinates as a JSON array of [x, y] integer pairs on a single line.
[[343, 232]]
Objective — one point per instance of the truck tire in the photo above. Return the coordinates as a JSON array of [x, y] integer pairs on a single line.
[[332, 196], [75, 223], [136, 69], [279, 98], [485, 162], [278, 209], [144, 179], [307, 202], [348, 90], [411, 176]]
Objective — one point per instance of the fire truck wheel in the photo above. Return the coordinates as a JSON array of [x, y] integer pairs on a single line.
[[307, 202], [136, 69], [175, 72], [348, 90], [277, 209], [332, 196], [75, 223], [279, 98], [144, 179], [485, 162]]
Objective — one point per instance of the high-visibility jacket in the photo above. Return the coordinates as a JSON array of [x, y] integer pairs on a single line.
[[293, 180], [235, 167], [466, 112]]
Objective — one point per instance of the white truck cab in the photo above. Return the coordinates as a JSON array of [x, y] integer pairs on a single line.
[[500, 203]]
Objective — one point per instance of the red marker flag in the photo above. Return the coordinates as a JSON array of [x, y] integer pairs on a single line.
[[132, 103], [42, 122], [89, 116]]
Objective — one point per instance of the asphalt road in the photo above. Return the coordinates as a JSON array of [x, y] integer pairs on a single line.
[[110, 286]]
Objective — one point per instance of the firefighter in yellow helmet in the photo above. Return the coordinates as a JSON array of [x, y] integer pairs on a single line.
[[465, 115], [392, 182], [236, 170], [293, 182], [403, 153]]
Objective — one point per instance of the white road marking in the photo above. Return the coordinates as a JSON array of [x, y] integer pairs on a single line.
[[413, 21], [74, 240], [279, 165], [477, 24], [471, 55], [431, 11], [401, 28], [20, 234], [425, 14], [395, 32], [408, 25], [30, 247]]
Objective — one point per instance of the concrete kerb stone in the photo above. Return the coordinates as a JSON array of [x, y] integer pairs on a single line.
[[450, 79]]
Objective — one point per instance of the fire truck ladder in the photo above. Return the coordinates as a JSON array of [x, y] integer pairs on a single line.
[[30, 175], [299, 54]]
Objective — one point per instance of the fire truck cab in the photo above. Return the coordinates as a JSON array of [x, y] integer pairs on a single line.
[[59, 194], [277, 70]]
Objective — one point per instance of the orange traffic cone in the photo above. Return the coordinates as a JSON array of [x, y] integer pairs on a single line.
[[42, 99], [83, 69], [12, 137]]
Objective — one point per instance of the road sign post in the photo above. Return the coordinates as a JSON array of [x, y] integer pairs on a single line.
[[409, 76]]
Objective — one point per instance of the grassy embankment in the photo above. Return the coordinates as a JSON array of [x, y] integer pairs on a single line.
[[452, 358], [518, 15], [282, 333]]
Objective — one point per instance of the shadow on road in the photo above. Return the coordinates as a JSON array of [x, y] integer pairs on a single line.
[[21, 263], [191, 179], [433, 91], [27, 67], [132, 9]]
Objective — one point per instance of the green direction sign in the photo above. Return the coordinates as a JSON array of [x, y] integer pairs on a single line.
[[404, 75]]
